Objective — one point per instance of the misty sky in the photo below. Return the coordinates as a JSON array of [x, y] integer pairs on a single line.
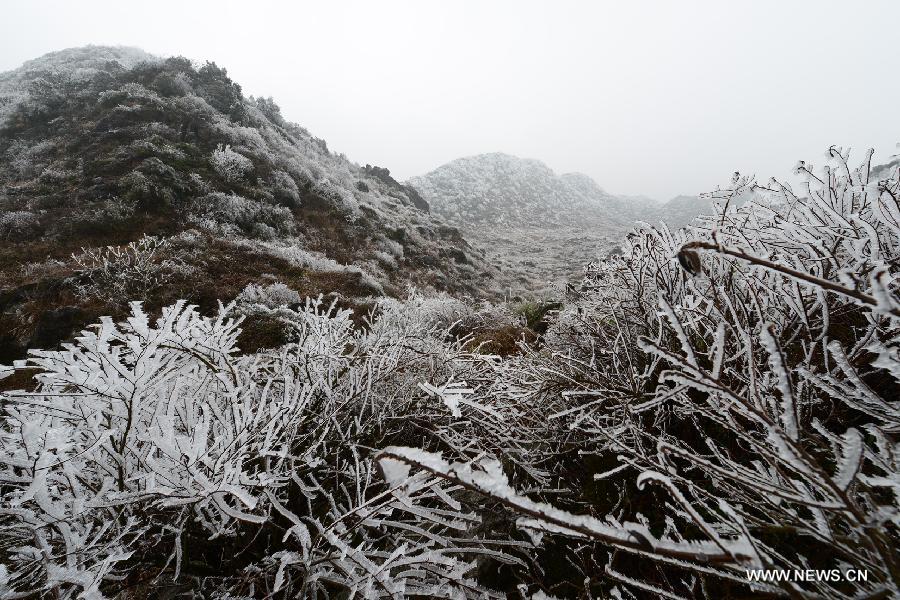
[[654, 98]]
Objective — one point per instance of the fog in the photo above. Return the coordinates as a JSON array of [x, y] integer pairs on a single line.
[[653, 98]]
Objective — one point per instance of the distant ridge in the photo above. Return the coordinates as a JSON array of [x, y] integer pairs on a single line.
[[498, 189], [536, 224], [501, 189]]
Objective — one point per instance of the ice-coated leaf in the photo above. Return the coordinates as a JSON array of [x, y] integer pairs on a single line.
[[851, 454]]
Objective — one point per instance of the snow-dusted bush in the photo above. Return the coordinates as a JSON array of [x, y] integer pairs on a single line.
[[230, 214], [340, 197], [286, 188], [28, 160], [230, 165], [106, 435], [147, 444], [387, 261], [274, 295], [199, 183], [316, 261], [493, 315], [295, 254], [56, 174], [133, 94], [392, 247], [148, 147], [18, 224], [262, 231], [439, 309], [736, 384], [44, 268], [115, 274]]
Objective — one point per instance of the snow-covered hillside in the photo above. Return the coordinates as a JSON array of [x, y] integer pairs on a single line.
[[503, 190], [540, 226], [102, 146], [500, 189]]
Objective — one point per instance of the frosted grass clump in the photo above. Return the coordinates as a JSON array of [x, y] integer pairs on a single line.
[[230, 165]]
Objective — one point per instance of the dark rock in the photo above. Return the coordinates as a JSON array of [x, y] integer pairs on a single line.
[[427, 260], [416, 198], [451, 233], [411, 193], [382, 174], [10, 349], [56, 326], [458, 255]]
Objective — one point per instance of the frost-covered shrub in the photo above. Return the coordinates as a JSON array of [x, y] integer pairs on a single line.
[[310, 259], [735, 386], [44, 268], [111, 214], [152, 446], [117, 274], [491, 316], [18, 224], [245, 138], [318, 262], [199, 183], [392, 247], [440, 309], [230, 214], [262, 231], [341, 198], [368, 280], [134, 93], [230, 165], [55, 173], [28, 160], [274, 295], [178, 84], [148, 147], [386, 260], [285, 188], [104, 439]]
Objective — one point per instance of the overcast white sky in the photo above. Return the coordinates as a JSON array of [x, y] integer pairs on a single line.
[[656, 98]]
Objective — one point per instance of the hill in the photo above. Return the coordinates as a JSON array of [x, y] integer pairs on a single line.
[[538, 225], [491, 190], [115, 160], [500, 189]]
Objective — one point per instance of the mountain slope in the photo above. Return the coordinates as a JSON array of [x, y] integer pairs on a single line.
[[102, 146], [538, 225], [500, 189], [681, 210]]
